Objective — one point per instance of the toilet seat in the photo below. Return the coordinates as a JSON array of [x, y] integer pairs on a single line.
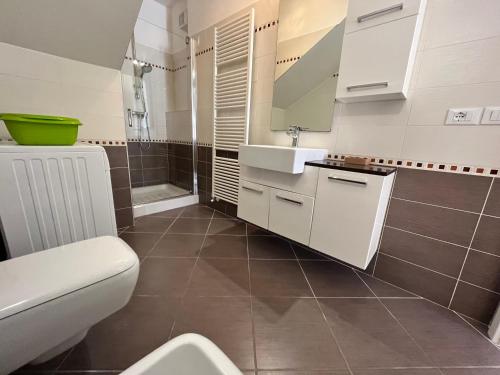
[[40, 277], [50, 299]]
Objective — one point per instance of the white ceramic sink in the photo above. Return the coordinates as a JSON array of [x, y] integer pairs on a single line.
[[279, 158]]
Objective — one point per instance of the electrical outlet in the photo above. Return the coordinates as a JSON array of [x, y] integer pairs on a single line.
[[491, 116], [464, 116]]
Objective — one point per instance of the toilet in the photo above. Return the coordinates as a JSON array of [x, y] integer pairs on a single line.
[[50, 299]]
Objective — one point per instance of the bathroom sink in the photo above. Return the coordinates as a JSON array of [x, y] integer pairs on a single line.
[[279, 158]]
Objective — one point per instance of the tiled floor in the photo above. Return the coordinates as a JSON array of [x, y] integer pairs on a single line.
[[273, 307]]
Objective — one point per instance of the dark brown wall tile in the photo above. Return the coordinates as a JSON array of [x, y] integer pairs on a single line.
[[133, 148], [135, 162], [487, 237], [154, 148], [428, 284], [155, 161], [119, 178], [436, 222], [122, 198], [483, 270], [477, 303], [433, 254], [444, 189], [124, 217], [493, 203], [117, 156]]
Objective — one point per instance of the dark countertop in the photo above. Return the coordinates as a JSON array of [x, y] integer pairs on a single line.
[[368, 169]]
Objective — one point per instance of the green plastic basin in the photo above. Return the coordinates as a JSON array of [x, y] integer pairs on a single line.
[[27, 129]]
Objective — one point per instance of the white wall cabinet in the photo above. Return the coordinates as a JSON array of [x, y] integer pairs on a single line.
[[349, 215], [379, 49]]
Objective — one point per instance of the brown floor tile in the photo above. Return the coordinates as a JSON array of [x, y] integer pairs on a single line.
[[125, 337], [305, 253], [308, 372], [273, 278], [471, 371], [443, 189], [487, 237], [291, 333], [226, 321], [220, 277], [441, 223], [179, 245], [227, 226], [383, 289], [330, 279], [369, 336], [149, 224], [142, 243], [169, 213], [195, 226], [269, 247], [425, 283], [475, 302], [481, 327], [222, 246], [445, 338], [406, 371], [164, 276], [198, 211], [48, 366], [436, 255], [253, 230]]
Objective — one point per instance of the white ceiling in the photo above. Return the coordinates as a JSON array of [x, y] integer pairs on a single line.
[[92, 31]]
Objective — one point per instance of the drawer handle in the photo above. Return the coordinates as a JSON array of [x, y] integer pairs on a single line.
[[299, 203], [252, 190], [347, 180], [380, 12], [367, 86]]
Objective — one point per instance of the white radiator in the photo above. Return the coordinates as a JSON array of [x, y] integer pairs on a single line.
[[233, 54], [54, 195]]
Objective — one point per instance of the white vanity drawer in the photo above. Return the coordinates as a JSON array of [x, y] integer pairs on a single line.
[[349, 214], [253, 203], [362, 14], [290, 215]]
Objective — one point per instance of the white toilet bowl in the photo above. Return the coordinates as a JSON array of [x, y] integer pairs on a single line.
[[49, 299]]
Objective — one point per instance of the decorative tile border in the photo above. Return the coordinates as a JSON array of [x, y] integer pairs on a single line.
[[288, 59], [176, 141], [429, 166], [204, 51], [266, 26], [168, 69], [103, 142]]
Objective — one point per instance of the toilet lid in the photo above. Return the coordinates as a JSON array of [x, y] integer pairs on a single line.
[[34, 279]]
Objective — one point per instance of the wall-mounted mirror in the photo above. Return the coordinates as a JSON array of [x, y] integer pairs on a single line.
[[310, 37]]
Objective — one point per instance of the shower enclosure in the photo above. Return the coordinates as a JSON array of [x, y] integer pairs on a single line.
[[159, 124]]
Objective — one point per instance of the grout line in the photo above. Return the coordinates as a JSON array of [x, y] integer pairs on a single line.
[[66, 356], [419, 266], [470, 243], [480, 287], [322, 313], [436, 205], [399, 323], [386, 282], [477, 330], [485, 252], [422, 235], [493, 216], [254, 340]]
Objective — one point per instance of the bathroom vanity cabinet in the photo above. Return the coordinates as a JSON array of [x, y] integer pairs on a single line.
[[379, 48], [332, 207]]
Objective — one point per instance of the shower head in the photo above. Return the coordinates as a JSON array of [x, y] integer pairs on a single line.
[[146, 69]]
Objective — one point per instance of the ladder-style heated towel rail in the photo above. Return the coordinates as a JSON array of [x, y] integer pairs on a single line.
[[232, 90]]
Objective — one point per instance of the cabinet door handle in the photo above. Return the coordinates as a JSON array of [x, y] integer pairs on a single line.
[[381, 12], [253, 190], [367, 86], [333, 178], [299, 203]]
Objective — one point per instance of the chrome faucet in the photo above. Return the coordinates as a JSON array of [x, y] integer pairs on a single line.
[[294, 132]]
